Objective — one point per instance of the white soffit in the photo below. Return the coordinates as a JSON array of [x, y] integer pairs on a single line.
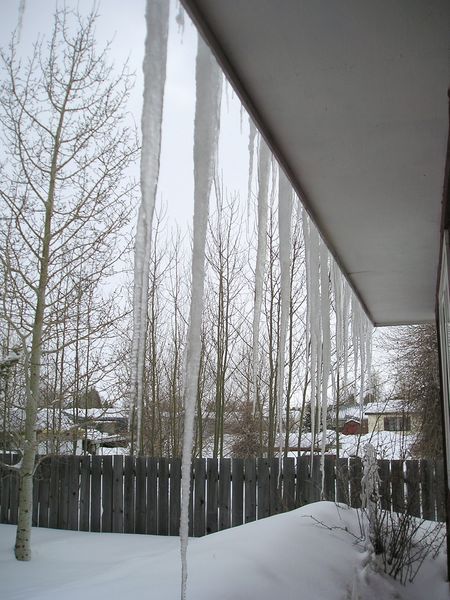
[[352, 97]]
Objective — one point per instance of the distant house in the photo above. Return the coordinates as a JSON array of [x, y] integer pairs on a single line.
[[390, 416], [353, 427], [103, 428], [350, 420]]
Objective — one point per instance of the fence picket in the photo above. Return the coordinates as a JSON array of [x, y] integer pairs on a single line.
[[237, 499], [85, 496], [263, 485], [44, 492], [129, 509], [163, 497], [175, 496], [96, 493], [250, 489], [342, 493], [385, 485], [224, 494], [412, 488], [426, 472], [5, 482], [152, 496], [199, 497], [117, 495], [212, 521], [141, 500], [107, 494], [288, 502], [355, 471]]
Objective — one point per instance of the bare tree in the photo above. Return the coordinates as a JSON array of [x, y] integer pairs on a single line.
[[417, 374], [64, 189]]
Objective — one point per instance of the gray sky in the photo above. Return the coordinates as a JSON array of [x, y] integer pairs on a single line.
[[124, 23]]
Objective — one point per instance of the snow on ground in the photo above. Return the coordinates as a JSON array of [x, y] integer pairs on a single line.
[[389, 445], [287, 556]]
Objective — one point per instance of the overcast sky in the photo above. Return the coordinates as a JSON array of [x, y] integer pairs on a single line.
[[124, 23]]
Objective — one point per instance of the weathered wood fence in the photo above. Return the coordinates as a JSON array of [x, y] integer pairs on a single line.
[[142, 495]]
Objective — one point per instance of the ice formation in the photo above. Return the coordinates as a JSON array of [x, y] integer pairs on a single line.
[[22, 7], [326, 345], [154, 68], [284, 228], [251, 151], [264, 158], [206, 133], [180, 18], [351, 325]]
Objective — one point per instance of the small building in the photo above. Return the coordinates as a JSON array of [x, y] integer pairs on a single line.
[[390, 416], [354, 427]]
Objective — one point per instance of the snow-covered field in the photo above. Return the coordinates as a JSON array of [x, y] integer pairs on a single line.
[[288, 556]]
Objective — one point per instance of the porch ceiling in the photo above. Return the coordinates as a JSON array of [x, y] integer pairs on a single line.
[[352, 98]]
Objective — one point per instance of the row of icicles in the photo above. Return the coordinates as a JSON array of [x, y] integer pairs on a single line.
[[325, 283]]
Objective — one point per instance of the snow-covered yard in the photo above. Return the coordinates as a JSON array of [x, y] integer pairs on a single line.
[[288, 556]]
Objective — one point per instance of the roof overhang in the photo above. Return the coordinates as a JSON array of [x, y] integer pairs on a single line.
[[352, 98]]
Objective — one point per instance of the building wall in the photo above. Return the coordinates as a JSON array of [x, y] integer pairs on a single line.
[[377, 421]]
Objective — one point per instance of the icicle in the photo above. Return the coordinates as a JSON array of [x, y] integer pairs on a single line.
[[251, 149], [180, 18], [284, 228], [154, 67], [206, 133], [326, 347], [345, 325], [20, 19], [315, 325], [305, 231], [263, 190]]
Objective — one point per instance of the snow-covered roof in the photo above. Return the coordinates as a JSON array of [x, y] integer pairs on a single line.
[[45, 419], [101, 414], [387, 407]]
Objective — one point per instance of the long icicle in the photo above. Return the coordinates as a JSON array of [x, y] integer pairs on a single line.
[[154, 67], [263, 192], [206, 134], [326, 348], [315, 327], [284, 228]]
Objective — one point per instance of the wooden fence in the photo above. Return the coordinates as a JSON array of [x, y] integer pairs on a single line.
[[142, 495]]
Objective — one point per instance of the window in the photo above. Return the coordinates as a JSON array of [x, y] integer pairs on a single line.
[[397, 423]]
